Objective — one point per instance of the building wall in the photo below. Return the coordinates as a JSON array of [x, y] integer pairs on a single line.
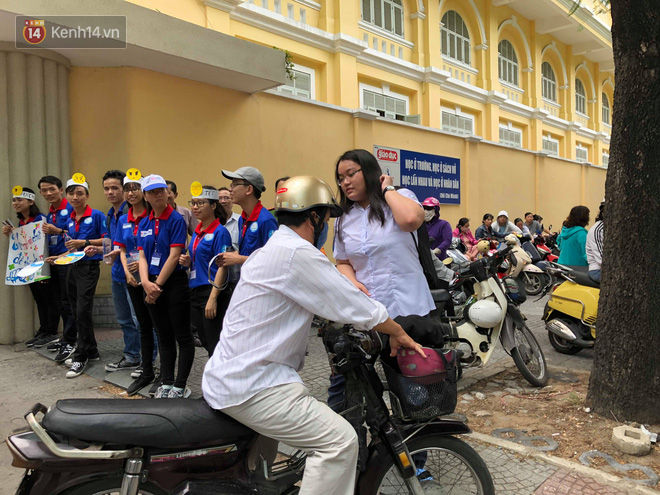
[[186, 131], [401, 65]]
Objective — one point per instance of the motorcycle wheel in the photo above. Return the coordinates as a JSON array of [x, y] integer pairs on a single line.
[[529, 358], [562, 346], [534, 282], [452, 466], [110, 486]]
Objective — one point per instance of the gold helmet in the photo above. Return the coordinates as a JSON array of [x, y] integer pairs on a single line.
[[483, 246], [304, 192]]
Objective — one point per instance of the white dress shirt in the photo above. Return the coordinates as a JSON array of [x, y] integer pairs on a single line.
[[266, 328], [385, 260], [232, 227]]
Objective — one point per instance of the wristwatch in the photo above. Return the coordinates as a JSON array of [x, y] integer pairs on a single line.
[[389, 188], [87, 243]]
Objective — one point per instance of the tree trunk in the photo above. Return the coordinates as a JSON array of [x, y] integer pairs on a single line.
[[625, 381]]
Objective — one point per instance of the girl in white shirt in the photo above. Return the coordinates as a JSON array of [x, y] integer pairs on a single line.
[[373, 245]]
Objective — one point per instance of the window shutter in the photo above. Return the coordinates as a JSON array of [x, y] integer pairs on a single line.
[[378, 13], [366, 10], [369, 99]]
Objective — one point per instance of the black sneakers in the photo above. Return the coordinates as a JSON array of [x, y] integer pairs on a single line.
[[55, 346], [154, 387], [30, 342], [122, 364], [138, 372], [139, 384], [65, 352], [77, 368], [44, 340]]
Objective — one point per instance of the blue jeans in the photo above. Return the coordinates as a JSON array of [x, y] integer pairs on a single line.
[[127, 321], [594, 275]]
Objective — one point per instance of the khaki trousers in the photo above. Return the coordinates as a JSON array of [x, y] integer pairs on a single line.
[[289, 414]]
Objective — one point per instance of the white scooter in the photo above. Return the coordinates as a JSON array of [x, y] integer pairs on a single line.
[[492, 314]]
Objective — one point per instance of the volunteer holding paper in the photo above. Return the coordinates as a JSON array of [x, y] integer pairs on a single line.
[[86, 229], [127, 240], [208, 302], [58, 218], [162, 236], [28, 212]]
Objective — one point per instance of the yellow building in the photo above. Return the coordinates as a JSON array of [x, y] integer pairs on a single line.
[[517, 91]]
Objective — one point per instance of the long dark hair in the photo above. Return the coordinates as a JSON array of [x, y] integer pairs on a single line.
[[578, 217], [600, 217], [218, 211], [371, 173], [34, 209], [462, 222]]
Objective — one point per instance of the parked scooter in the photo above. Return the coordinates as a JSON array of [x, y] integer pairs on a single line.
[[570, 313], [182, 446], [536, 277], [492, 314]]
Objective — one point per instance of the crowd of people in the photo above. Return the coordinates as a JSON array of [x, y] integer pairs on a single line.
[[159, 254], [250, 285]]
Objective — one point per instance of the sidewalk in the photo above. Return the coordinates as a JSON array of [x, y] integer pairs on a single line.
[[516, 470]]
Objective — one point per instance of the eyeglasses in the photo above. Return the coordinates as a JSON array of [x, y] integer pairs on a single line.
[[349, 175], [234, 184], [197, 204], [224, 199], [132, 188]]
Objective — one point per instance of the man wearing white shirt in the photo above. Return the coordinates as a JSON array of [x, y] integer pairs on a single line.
[[224, 198], [253, 373]]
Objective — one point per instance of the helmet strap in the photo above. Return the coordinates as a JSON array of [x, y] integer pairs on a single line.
[[318, 226]]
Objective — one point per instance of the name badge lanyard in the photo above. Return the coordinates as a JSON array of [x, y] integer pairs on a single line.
[[193, 252], [155, 258]]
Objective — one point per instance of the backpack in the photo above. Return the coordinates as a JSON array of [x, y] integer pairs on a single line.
[[423, 245]]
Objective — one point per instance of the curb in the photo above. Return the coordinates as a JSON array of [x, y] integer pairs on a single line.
[[605, 478]]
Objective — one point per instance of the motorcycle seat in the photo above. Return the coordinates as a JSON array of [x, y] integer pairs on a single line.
[[440, 295], [167, 423], [582, 278]]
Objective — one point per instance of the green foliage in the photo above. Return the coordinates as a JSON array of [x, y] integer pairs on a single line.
[[288, 64]]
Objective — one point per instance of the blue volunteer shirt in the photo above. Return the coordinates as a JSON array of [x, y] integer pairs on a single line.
[[158, 234], [91, 225], [128, 230], [60, 217], [204, 245], [118, 274], [255, 230]]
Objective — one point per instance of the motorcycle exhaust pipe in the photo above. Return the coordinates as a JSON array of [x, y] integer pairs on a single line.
[[560, 329]]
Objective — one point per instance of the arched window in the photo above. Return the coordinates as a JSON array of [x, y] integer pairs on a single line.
[[386, 14], [580, 98], [549, 82], [606, 109], [508, 63], [455, 37]]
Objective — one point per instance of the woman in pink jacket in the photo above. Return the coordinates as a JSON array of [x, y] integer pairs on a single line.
[[463, 232]]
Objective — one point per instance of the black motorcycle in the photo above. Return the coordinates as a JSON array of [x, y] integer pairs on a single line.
[[182, 446]]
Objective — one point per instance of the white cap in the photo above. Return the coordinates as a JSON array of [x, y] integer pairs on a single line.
[[72, 182], [503, 212], [208, 194], [153, 182], [128, 180], [19, 192]]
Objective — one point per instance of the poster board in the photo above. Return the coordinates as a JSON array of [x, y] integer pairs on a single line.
[[424, 174], [27, 244]]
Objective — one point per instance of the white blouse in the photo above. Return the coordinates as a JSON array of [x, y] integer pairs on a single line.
[[385, 260]]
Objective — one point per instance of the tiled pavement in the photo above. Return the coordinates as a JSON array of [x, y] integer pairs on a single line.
[[513, 473]]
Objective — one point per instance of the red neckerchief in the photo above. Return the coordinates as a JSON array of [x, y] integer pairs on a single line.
[[163, 216], [88, 213], [201, 233], [63, 204], [135, 220], [252, 218], [23, 222]]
